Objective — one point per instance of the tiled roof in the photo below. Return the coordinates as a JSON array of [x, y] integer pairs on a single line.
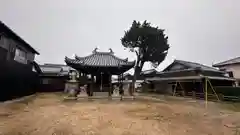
[[47, 69], [55, 69], [194, 65], [65, 68], [101, 59], [228, 62]]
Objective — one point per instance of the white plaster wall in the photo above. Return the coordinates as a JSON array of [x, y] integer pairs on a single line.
[[234, 68]]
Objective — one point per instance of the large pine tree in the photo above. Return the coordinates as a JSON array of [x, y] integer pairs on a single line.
[[149, 43]]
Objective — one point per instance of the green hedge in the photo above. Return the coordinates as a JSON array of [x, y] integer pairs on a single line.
[[228, 90]]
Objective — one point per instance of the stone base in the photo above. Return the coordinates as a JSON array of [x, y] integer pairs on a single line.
[[70, 98], [116, 98], [82, 94], [126, 92], [70, 86], [72, 93], [101, 94], [116, 94], [128, 97]]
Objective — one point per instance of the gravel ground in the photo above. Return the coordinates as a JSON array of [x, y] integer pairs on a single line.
[[48, 114]]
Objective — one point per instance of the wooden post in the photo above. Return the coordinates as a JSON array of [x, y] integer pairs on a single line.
[[206, 98], [213, 89], [110, 88], [91, 86], [183, 93], [175, 89], [183, 90], [121, 91], [194, 94]]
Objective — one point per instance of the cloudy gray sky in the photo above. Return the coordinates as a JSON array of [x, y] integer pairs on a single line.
[[204, 31]]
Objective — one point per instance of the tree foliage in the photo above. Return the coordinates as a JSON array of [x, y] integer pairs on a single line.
[[149, 43]]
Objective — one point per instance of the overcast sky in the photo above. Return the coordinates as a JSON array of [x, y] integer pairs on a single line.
[[203, 31]]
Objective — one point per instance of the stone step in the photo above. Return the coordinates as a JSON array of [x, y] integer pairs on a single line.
[[100, 94]]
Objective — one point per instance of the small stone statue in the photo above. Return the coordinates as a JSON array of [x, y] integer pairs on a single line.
[[116, 91]]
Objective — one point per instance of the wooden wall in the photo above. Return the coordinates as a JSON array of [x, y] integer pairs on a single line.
[[53, 84], [10, 45], [17, 80]]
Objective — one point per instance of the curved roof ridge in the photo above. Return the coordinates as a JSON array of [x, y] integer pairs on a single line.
[[69, 60], [102, 53], [100, 59], [80, 58]]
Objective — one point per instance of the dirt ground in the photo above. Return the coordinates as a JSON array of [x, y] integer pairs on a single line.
[[48, 114]]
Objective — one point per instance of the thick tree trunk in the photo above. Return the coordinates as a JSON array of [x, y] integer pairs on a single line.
[[137, 71]]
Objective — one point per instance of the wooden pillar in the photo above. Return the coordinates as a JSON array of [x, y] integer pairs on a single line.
[[91, 86], [110, 85], [204, 88], [181, 85], [121, 86], [194, 94], [206, 92]]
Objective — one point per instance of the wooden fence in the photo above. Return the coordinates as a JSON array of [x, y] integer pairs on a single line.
[[17, 80]]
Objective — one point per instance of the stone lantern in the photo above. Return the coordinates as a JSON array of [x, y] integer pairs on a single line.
[[72, 85]]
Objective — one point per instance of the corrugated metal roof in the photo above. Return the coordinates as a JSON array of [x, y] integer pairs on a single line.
[[228, 62], [101, 59]]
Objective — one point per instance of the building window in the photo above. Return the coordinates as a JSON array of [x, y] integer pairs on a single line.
[[20, 56], [230, 73], [45, 81], [1, 41]]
